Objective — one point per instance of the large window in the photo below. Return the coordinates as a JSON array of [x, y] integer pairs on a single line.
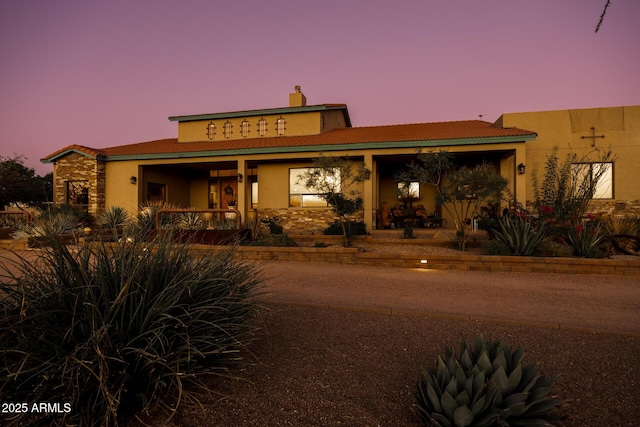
[[301, 196], [409, 190], [586, 173]]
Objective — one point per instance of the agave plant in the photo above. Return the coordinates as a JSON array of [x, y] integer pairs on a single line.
[[521, 236], [487, 385]]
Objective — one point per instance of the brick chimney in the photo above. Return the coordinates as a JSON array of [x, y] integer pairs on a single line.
[[297, 99]]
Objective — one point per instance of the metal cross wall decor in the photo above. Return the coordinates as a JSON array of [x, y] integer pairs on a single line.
[[593, 136]]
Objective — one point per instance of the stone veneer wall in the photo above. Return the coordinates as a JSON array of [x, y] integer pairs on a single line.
[[76, 167], [303, 221], [615, 208]]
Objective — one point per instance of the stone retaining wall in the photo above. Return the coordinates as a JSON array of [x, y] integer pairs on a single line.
[[516, 264], [446, 262]]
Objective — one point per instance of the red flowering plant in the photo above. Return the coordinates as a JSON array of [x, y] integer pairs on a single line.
[[585, 239]]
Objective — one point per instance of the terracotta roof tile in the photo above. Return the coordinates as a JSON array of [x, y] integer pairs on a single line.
[[442, 131]]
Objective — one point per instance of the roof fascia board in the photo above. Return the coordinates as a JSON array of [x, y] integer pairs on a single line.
[[327, 147], [248, 113], [69, 151]]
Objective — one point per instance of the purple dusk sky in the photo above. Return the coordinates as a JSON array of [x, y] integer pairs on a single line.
[[106, 73]]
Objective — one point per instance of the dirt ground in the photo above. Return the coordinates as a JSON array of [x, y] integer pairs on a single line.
[[345, 345]]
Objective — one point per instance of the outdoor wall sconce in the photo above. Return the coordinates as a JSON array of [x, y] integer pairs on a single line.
[[367, 174], [133, 180], [521, 168], [239, 177]]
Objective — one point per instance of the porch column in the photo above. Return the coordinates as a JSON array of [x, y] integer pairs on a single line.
[[368, 194], [242, 186]]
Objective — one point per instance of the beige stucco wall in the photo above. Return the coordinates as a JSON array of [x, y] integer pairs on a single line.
[[564, 129]]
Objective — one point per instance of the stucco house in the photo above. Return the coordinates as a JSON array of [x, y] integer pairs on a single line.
[[250, 160]]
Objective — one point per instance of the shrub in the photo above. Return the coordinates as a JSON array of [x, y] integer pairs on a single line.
[[111, 329], [494, 247], [114, 217], [521, 236], [585, 240], [273, 224], [353, 228], [192, 221], [60, 222], [278, 240], [629, 225], [486, 385], [82, 217]]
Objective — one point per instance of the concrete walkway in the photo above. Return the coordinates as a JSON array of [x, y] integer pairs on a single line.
[[579, 302]]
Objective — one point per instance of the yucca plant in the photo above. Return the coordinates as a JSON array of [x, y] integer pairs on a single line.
[[486, 385], [521, 236], [114, 217], [112, 329], [58, 223], [192, 221]]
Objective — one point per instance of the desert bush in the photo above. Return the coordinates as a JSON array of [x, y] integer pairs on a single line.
[[487, 384], [192, 221], [114, 217], [521, 236], [629, 225], [59, 222], [274, 224], [112, 329], [585, 240], [278, 240], [82, 217], [494, 247], [352, 228], [146, 219]]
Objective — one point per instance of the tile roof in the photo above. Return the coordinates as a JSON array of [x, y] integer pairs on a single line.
[[471, 131]]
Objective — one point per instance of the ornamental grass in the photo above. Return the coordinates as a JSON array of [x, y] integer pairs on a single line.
[[115, 329]]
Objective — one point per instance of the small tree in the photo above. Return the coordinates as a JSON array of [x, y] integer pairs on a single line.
[[567, 188], [334, 179], [459, 191]]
